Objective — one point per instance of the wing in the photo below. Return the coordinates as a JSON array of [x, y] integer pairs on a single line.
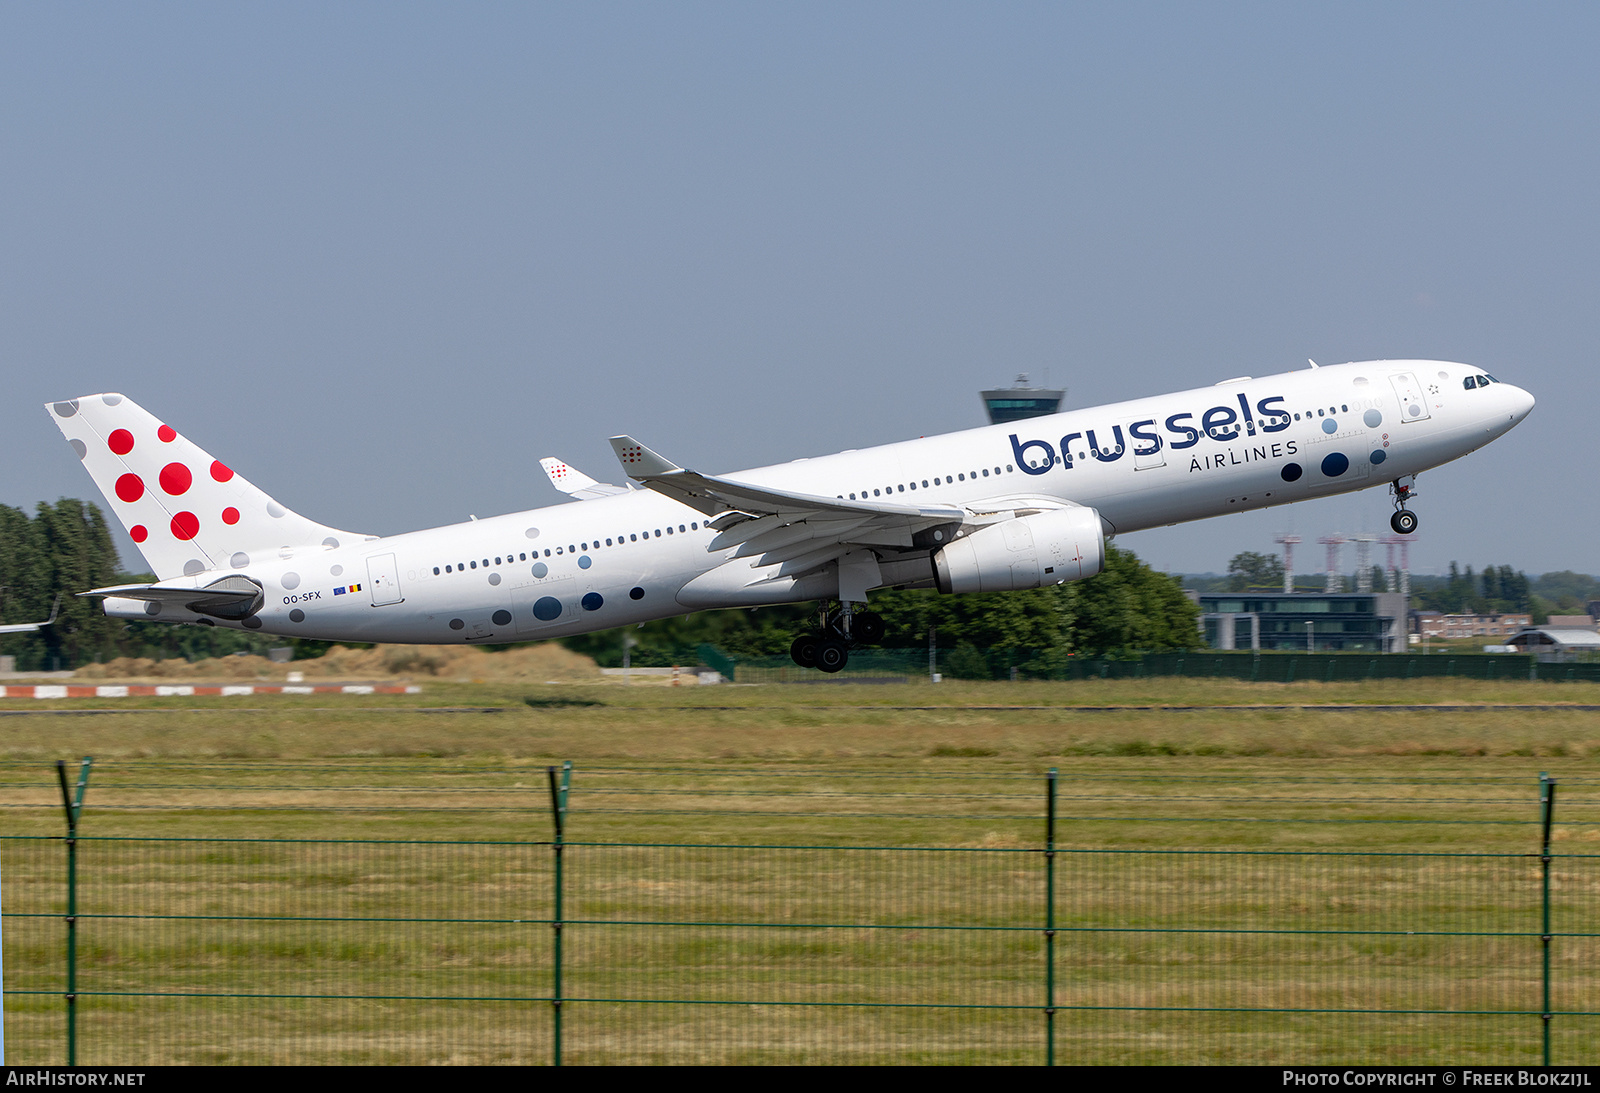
[[575, 483], [796, 532]]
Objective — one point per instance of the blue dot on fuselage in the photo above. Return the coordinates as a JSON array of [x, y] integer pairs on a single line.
[[1373, 419], [1291, 472], [1335, 463], [592, 601], [1379, 455], [547, 608], [585, 562], [540, 569], [1330, 426]]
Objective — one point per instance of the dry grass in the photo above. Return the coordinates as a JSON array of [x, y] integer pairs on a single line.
[[1156, 905]]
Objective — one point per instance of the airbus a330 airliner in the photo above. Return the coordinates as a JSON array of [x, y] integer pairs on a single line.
[[1000, 508]]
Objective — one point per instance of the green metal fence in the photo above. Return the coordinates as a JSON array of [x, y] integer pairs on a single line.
[[1002, 663], [1349, 921]]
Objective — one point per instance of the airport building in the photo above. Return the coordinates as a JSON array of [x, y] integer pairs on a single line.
[[1436, 624], [1329, 622]]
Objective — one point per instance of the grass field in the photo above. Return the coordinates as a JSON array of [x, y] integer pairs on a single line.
[[1241, 878]]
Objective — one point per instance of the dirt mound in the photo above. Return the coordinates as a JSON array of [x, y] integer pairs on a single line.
[[538, 663]]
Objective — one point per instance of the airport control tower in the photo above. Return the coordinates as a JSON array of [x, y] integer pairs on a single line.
[[1021, 401]]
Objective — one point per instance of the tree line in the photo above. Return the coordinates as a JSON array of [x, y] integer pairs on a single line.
[[1128, 608]]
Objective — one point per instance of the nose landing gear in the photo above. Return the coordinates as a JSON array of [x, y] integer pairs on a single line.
[[829, 649], [1404, 521]]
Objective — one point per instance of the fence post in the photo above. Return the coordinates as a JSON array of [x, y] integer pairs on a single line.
[[558, 812], [1050, 919], [74, 808], [1547, 807]]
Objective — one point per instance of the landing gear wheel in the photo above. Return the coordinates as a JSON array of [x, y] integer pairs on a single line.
[[803, 650], [867, 628], [832, 655], [1404, 522]]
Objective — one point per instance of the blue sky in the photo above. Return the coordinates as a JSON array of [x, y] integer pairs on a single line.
[[381, 258]]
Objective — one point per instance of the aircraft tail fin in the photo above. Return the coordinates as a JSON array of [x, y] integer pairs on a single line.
[[187, 512]]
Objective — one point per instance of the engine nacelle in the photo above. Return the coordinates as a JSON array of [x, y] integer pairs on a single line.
[[1028, 552]]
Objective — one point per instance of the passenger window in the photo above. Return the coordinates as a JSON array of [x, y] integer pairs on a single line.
[[924, 483], [558, 550], [1319, 411], [986, 472], [669, 529], [694, 527], [497, 561], [913, 485], [680, 527], [608, 542], [633, 538], [902, 489], [447, 569], [852, 497]]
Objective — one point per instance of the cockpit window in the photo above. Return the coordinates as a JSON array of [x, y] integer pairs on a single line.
[[1470, 382]]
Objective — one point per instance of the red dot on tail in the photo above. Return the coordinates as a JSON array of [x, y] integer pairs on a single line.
[[185, 525], [176, 479], [167, 434], [130, 487], [230, 515], [139, 533], [219, 471], [120, 442]]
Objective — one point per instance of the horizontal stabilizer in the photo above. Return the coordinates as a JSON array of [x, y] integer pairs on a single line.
[[32, 627], [229, 598], [575, 483]]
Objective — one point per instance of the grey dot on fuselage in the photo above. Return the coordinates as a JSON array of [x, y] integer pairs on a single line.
[[494, 578], [532, 533], [193, 566], [331, 543], [297, 615], [291, 581], [275, 510], [80, 447], [111, 400], [66, 409], [239, 560], [336, 570]]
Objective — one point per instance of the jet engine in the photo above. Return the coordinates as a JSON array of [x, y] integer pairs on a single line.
[[1027, 552]]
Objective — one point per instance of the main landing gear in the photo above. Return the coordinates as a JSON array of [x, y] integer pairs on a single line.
[[828, 650], [1404, 521]]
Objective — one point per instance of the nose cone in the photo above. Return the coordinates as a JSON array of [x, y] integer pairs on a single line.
[[1521, 402]]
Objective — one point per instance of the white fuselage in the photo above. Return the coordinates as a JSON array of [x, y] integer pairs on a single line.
[[612, 561]]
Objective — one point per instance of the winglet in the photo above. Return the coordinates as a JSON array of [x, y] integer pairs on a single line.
[[639, 461], [574, 482]]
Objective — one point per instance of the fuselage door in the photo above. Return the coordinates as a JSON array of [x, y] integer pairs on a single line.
[[1148, 449], [1413, 399], [383, 578]]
